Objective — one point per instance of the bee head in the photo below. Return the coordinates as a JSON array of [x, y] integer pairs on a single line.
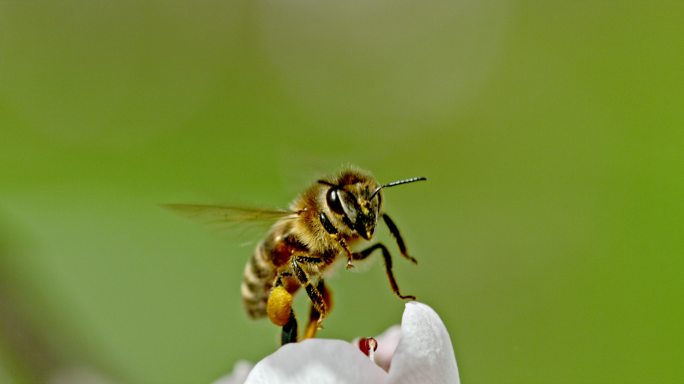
[[357, 209], [357, 200]]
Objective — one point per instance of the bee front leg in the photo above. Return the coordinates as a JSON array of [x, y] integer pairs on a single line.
[[388, 266], [332, 231], [397, 236], [318, 301]]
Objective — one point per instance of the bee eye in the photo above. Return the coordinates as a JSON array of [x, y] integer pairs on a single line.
[[333, 200]]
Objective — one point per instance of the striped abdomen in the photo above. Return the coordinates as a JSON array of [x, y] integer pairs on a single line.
[[270, 256], [257, 282]]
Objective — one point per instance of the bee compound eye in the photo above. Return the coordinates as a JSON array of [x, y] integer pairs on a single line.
[[333, 200]]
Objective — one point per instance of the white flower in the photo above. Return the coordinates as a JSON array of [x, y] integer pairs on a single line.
[[239, 375], [419, 352]]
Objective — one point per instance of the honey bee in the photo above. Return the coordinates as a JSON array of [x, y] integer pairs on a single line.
[[321, 224]]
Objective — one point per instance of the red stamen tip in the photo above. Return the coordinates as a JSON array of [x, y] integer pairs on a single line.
[[368, 345]]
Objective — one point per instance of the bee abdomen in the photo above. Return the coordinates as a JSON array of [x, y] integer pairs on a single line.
[[256, 282]]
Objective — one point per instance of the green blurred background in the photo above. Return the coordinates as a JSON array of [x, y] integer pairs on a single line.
[[549, 236]]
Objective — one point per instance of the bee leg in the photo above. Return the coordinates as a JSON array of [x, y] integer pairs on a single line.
[[317, 300], [332, 231], [279, 310], [314, 315], [289, 332], [388, 266], [397, 236]]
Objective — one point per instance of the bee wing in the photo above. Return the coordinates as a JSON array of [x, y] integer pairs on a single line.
[[221, 214]]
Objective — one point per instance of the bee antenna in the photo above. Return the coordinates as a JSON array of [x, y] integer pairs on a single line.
[[394, 183]]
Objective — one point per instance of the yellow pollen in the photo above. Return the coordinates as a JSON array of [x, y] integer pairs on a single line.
[[279, 306]]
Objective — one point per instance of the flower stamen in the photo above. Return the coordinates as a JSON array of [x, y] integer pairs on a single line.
[[368, 346]]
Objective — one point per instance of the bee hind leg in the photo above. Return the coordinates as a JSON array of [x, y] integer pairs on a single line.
[[289, 331], [388, 267], [279, 310]]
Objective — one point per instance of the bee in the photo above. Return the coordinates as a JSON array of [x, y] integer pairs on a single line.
[[322, 223]]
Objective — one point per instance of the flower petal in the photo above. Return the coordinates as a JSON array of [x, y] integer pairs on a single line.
[[424, 354], [387, 344], [239, 374], [316, 361]]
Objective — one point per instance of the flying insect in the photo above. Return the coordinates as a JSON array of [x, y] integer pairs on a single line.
[[319, 227]]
